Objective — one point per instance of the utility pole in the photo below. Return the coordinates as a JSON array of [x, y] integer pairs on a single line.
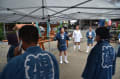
[[4, 30], [80, 23]]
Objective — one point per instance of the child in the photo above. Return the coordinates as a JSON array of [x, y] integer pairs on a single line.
[[77, 37], [90, 38], [101, 61], [62, 46]]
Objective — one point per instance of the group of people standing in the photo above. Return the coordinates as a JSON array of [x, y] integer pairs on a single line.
[[77, 36], [36, 63], [102, 58], [62, 37]]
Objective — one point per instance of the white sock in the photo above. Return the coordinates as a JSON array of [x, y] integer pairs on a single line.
[[60, 58], [88, 48], [79, 47], [74, 47], [65, 58], [92, 47]]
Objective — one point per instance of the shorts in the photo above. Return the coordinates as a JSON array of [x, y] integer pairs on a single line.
[[77, 40], [62, 48], [90, 41]]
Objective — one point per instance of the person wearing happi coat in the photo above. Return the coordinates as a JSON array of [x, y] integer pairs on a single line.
[[101, 61], [61, 38], [90, 35], [34, 63]]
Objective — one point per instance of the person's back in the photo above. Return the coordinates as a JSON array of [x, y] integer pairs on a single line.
[[102, 58], [13, 42], [100, 62], [34, 63]]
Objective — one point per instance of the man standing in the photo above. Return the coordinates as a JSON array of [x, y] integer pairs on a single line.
[[34, 63], [77, 37], [102, 58], [90, 38]]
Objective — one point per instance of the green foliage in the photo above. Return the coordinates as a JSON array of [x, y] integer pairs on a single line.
[[118, 26], [1, 32]]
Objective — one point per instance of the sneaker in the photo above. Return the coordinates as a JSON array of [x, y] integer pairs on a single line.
[[66, 61], [61, 62], [87, 51], [79, 50]]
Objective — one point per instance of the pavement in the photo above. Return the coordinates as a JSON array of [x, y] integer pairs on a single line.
[[77, 60]]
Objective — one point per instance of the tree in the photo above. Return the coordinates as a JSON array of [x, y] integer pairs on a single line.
[[118, 26], [1, 31]]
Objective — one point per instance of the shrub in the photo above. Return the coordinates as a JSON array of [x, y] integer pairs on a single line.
[[1, 32], [118, 26]]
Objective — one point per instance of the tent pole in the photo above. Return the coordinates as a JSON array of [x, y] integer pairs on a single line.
[[71, 7], [60, 13], [80, 23], [43, 7], [90, 23], [107, 8], [26, 15]]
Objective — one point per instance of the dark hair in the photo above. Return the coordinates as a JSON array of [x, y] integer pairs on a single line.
[[103, 32], [61, 28], [29, 34], [77, 25], [90, 26]]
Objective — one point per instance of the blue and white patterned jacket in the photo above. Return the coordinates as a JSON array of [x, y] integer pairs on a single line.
[[93, 35], [101, 62], [33, 64]]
